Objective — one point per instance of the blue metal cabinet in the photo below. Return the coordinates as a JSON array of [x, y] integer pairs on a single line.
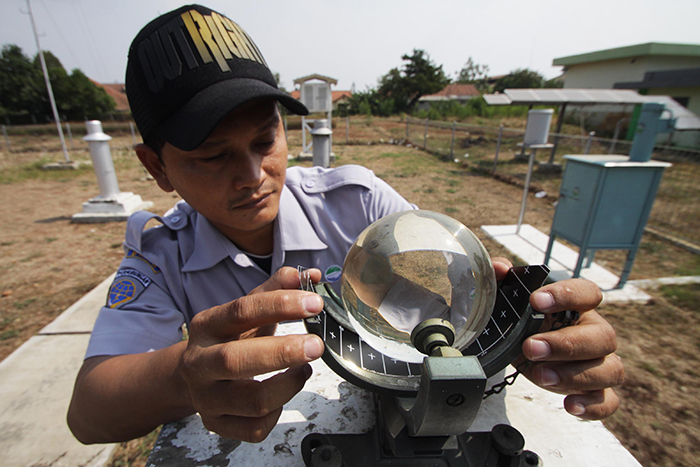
[[604, 203]]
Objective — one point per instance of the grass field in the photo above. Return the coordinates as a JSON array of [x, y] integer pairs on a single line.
[[47, 263]]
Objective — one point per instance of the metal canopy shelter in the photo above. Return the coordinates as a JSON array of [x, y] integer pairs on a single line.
[[685, 119]]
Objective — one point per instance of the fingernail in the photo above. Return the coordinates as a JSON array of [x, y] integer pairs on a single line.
[[313, 348], [539, 350], [549, 377], [313, 304], [543, 301], [577, 409]]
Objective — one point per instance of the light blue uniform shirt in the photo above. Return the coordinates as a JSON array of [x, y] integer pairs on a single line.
[[175, 270]]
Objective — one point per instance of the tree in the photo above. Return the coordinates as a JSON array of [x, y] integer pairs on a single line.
[[23, 90], [20, 89], [473, 73], [50, 59], [418, 77], [520, 78], [85, 99]]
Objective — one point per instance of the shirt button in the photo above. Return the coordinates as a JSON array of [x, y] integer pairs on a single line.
[[175, 219], [310, 183]]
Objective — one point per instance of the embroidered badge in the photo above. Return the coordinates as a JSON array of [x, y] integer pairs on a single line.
[[333, 273], [128, 284], [133, 254]]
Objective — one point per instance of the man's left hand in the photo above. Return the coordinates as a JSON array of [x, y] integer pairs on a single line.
[[577, 360]]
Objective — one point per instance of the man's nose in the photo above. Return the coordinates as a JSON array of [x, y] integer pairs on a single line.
[[248, 172]]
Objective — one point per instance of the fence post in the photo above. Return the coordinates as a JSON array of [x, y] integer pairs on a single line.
[[286, 138], [407, 120], [452, 144], [589, 142], [616, 135], [7, 139], [347, 129], [498, 148], [425, 135], [70, 136]]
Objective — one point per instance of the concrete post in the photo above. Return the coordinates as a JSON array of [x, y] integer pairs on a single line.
[[425, 135], [321, 135], [70, 136], [111, 204]]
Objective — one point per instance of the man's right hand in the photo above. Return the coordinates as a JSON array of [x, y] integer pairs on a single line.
[[230, 344], [118, 398]]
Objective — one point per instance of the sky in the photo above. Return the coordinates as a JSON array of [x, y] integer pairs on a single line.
[[358, 41]]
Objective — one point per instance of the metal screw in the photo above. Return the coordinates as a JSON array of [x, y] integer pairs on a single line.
[[455, 400]]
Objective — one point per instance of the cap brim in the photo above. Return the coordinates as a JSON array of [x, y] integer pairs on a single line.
[[190, 126]]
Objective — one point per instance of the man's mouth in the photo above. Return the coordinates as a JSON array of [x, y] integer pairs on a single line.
[[249, 203]]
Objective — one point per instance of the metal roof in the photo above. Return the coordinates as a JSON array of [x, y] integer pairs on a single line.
[[638, 50], [564, 96], [685, 119]]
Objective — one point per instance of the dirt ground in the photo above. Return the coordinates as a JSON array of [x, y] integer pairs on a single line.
[[47, 263]]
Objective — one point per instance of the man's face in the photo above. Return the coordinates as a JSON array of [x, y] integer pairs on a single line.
[[235, 177]]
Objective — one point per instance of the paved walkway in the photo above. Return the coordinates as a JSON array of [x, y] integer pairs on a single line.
[[36, 383], [530, 245]]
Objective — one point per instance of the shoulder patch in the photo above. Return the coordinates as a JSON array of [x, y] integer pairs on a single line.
[[132, 254], [127, 286]]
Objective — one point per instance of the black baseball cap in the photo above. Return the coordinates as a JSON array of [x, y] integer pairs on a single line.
[[191, 67]]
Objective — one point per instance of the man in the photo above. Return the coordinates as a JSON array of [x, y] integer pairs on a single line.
[[206, 105]]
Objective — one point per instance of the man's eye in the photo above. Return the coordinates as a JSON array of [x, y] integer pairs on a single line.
[[218, 157]]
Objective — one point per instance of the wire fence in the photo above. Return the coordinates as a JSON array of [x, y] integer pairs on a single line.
[[491, 150], [495, 151]]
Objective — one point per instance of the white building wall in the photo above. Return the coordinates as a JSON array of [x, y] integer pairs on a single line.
[[603, 75]]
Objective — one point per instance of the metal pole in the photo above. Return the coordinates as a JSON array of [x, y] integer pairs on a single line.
[[7, 140], [303, 134], [616, 135], [498, 148], [133, 133], [98, 142], [70, 136], [407, 119], [525, 190], [669, 141], [425, 135], [48, 85], [560, 122], [452, 144], [347, 129], [589, 142], [286, 138]]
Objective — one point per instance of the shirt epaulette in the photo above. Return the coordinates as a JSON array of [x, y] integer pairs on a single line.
[[320, 180]]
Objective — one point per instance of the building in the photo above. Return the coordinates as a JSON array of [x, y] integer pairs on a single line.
[[651, 69], [118, 93], [337, 97], [460, 93]]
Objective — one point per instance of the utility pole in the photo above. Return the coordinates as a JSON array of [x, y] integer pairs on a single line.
[[48, 85]]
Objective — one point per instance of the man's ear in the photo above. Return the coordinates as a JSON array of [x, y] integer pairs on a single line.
[[154, 165]]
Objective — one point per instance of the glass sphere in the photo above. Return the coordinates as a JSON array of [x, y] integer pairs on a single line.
[[412, 266]]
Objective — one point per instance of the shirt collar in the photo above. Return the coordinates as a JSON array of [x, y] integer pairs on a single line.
[[293, 231]]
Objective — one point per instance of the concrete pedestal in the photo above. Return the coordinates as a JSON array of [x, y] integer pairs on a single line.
[[114, 209]]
